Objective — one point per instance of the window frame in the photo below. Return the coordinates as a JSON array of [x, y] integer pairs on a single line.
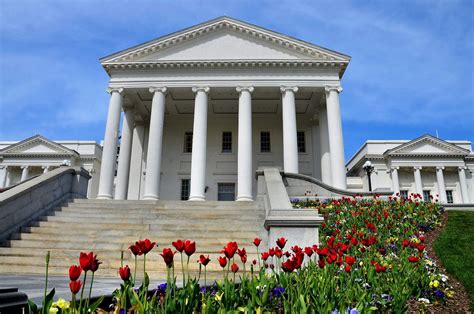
[[229, 142], [450, 196], [183, 195], [219, 193], [269, 142], [427, 199], [185, 142], [298, 133], [404, 194]]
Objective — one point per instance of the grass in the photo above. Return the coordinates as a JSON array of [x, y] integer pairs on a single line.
[[454, 248]]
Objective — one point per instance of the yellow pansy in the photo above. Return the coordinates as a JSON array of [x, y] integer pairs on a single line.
[[62, 304], [53, 310]]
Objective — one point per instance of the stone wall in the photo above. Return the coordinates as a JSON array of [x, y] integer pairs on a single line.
[[26, 202]]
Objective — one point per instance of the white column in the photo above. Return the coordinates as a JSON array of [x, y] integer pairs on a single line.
[[441, 186], [336, 143], [123, 168], [418, 181], [136, 162], [109, 152], [244, 158], [198, 158], [395, 181], [45, 169], [25, 170], [463, 182], [3, 178], [155, 144], [290, 144], [324, 143]]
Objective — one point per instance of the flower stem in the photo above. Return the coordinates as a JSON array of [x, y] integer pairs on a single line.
[[90, 290], [135, 273], [82, 292], [182, 268], [48, 255]]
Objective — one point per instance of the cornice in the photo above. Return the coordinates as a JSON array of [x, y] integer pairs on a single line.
[[29, 155]]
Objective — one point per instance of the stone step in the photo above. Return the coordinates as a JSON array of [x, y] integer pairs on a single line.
[[189, 226], [154, 218], [125, 239], [142, 234], [209, 214], [96, 245], [175, 205]]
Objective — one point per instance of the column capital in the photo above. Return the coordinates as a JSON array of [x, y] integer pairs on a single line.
[[154, 89], [394, 168], [240, 89], [285, 89], [205, 89], [3, 167], [417, 168], [24, 167], [44, 167], [329, 89], [439, 168], [462, 168], [111, 90]]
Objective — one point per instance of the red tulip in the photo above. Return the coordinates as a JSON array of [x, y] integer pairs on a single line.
[[74, 272], [179, 245], [257, 241], [281, 242], [350, 260], [203, 260], [168, 256], [95, 264], [222, 261], [413, 259], [189, 247], [347, 268], [254, 262], [265, 256], [308, 251], [145, 246], [241, 252], [287, 266], [379, 268], [234, 267], [75, 286], [321, 263], [230, 249], [124, 273], [405, 243], [135, 250], [86, 260], [243, 259], [421, 247]]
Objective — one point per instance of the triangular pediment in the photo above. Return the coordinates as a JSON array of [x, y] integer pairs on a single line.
[[37, 145], [427, 145], [224, 38]]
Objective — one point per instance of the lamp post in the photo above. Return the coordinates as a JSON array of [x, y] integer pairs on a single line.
[[368, 168]]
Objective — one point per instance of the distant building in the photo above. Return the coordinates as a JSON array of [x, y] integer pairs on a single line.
[[33, 156], [427, 165]]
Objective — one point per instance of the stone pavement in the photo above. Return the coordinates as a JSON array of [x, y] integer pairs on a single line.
[[33, 285]]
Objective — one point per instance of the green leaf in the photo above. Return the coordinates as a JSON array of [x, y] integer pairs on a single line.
[[32, 308], [303, 304], [96, 304]]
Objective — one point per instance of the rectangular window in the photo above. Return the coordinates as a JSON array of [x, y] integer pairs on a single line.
[[404, 193], [188, 142], [226, 191], [185, 189], [426, 195], [265, 142], [301, 142], [449, 196], [227, 142]]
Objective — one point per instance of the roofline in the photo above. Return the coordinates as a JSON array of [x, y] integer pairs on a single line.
[[222, 18]]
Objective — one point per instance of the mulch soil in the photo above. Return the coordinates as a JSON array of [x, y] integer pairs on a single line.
[[459, 303]]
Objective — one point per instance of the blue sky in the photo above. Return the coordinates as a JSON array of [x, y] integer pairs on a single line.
[[411, 71]]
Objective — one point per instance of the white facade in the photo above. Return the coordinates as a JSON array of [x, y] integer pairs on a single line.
[[426, 166], [250, 97], [36, 155]]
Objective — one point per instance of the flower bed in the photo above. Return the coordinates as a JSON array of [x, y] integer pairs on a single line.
[[372, 258]]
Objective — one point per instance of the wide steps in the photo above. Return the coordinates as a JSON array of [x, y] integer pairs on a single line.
[[110, 227]]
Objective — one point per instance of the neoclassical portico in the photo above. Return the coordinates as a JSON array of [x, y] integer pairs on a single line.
[[195, 87]]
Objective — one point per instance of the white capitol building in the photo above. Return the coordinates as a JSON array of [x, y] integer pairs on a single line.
[[204, 108]]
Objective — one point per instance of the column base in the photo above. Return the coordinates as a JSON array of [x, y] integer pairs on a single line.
[[151, 198], [244, 198], [104, 197], [197, 198]]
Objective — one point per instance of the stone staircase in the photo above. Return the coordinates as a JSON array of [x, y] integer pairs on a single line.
[[109, 227]]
